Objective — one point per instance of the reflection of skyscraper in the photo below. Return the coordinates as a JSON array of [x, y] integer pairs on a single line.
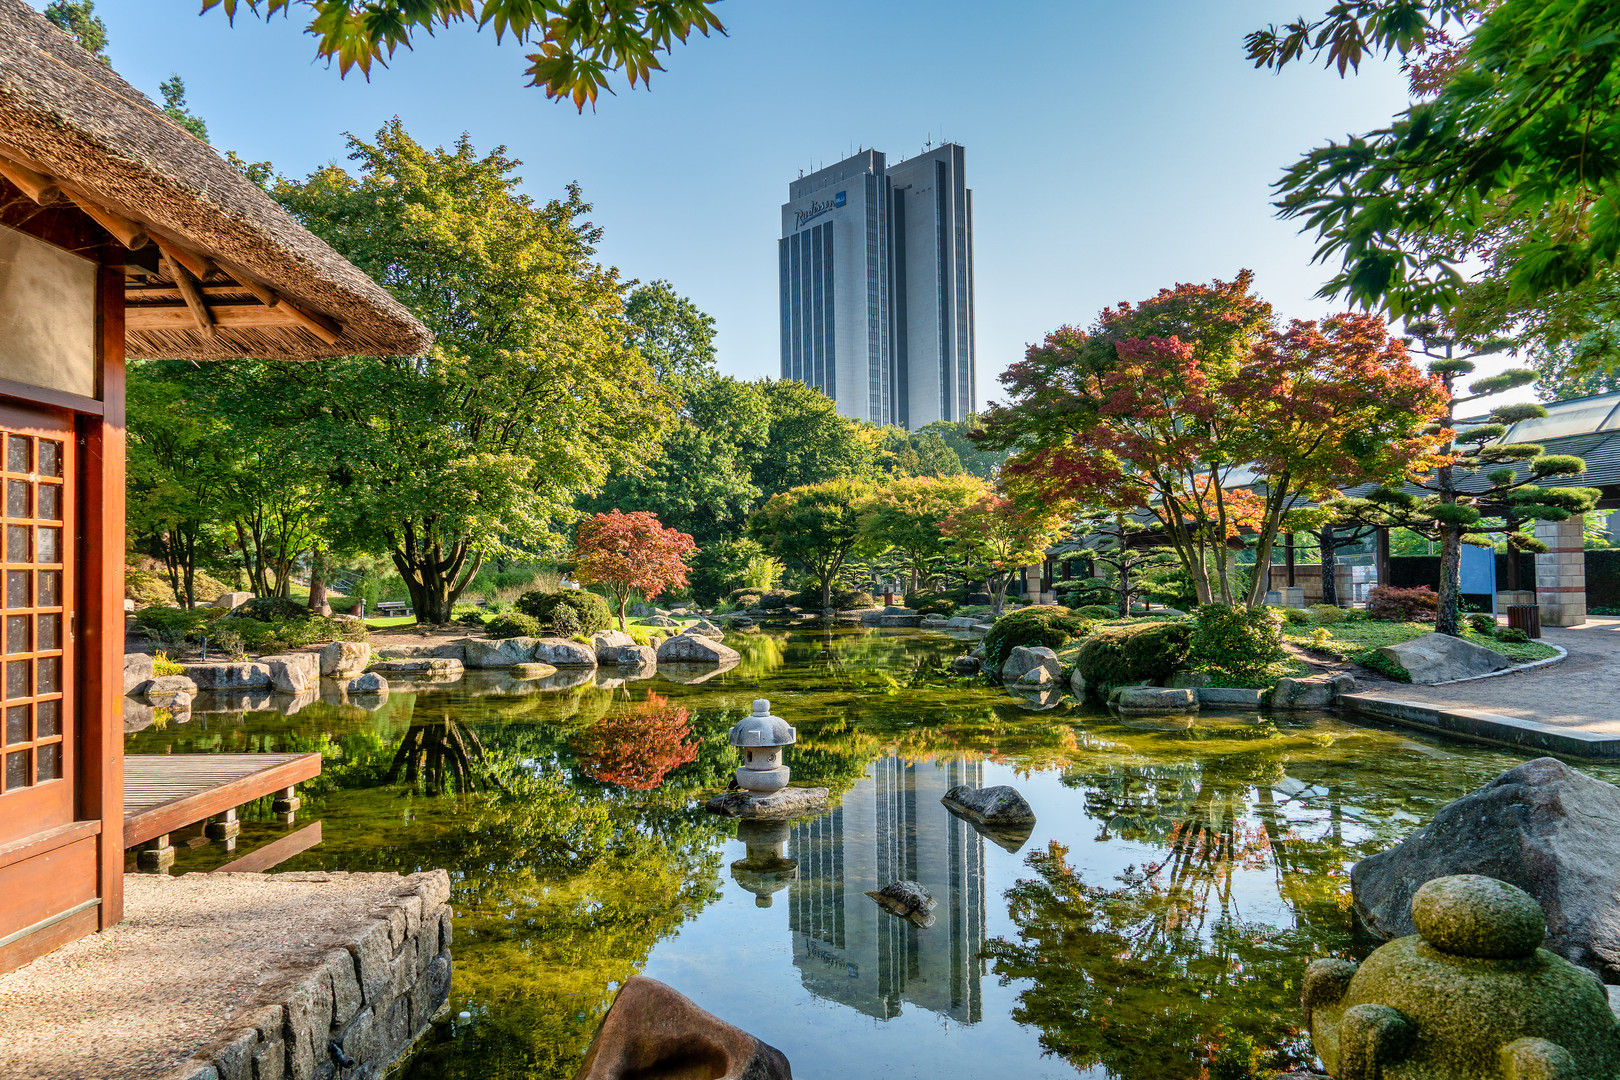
[[891, 827]]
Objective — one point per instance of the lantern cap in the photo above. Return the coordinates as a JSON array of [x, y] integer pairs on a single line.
[[762, 729]]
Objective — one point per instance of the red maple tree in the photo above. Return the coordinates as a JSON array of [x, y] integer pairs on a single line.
[[631, 552], [637, 749]]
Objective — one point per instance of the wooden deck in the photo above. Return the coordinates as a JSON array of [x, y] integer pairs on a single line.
[[166, 792]]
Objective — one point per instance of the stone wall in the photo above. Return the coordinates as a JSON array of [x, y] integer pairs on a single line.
[[365, 1002], [1561, 572]]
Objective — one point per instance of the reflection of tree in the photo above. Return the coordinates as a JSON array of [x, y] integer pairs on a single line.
[[444, 751], [636, 749], [1127, 978]]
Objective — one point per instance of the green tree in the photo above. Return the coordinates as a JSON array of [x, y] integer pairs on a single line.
[[817, 526], [673, 334], [994, 536], [581, 42], [907, 515], [529, 395], [174, 107], [809, 441], [78, 18], [958, 436]]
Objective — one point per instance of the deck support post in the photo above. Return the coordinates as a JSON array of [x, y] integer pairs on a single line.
[[286, 805], [156, 854], [224, 827]]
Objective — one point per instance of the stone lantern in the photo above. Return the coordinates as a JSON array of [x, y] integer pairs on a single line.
[[766, 869], [760, 739]]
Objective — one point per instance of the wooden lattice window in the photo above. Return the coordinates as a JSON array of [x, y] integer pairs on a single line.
[[34, 736]]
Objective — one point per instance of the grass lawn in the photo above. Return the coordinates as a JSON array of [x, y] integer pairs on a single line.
[[391, 622], [1360, 641]]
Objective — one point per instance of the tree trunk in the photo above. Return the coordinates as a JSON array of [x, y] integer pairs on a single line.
[[1124, 589], [434, 581], [1445, 620], [1330, 565], [998, 592], [317, 583]]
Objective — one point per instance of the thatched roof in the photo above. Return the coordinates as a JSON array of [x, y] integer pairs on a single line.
[[260, 282]]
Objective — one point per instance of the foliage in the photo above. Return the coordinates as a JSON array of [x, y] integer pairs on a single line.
[[842, 598], [1482, 624], [581, 43], [633, 552], [637, 748], [1295, 616], [1138, 652], [817, 526], [958, 435], [1512, 635], [1513, 156], [1326, 614], [512, 624], [723, 568], [1096, 611], [993, 537], [810, 441], [270, 609], [147, 588], [932, 603], [1235, 643], [672, 334], [569, 611], [279, 635], [162, 665], [78, 18], [1402, 605], [906, 514], [173, 90], [1043, 624], [1129, 570], [528, 397]]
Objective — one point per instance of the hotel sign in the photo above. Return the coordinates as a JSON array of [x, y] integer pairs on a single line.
[[800, 217]]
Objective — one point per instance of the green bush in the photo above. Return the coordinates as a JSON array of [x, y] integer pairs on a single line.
[[1294, 616], [588, 612], [1326, 614], [279, 635], [1482, 624], [1044, 624], [1097, 611], [173, 625], [272, 608], [471, 618], [147, 589], [513, 624], [341, 605], [1239, 643], [1386, 667], [773, 599], [930, 603], [162, 665], [1513, 635], [1148, 651]]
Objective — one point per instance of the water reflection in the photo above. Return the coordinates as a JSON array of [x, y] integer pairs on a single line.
[[892, 827]]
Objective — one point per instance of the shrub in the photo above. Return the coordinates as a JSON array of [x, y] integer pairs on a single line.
[[1294, 616], [1046, 624], [513, 624], [172, 625], [1147, 652], [1482, 624], [342, 605], [1326, 614], [234, 635], [1097, 611], [729, 564], [1237, 642], [1320, 637], [147, 589], [271, 608], [587, 612], [470, 618], [1389, 669], [1513, 635], [162, 665], [930, 603], [1403, 605]]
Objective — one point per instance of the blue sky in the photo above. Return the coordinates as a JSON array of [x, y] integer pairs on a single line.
[[1113, 148]]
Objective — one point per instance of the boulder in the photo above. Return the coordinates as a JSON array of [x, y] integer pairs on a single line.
[[998, 805], [294, 673], [705, 628], [1023, 658], [659, 620], [1437, 658], [1157, 699], [1542, 826], [232, 600], [693, 649], [636, 656], [608, 642], [137, 670], [642, 611], [900, 620], [369, 683], [650, 1030], [1316, 692], [345, 659], [1228, 697], [789, 802], [446, 650], [560, 652], [908, 900], [138, 715], [532, 671], [164, 690], [961, 622], [228, 676], [933, 621], [965, 665], [1036, 678], [421, 666], [1077, 683], [485, 653]]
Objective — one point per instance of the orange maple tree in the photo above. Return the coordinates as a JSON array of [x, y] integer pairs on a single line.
[[637, 749], [631, 552]]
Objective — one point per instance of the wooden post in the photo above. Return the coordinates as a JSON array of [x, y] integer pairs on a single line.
[[156, 854], [101, 585], [1381, 553], [1288, 557], [224, 827], [286, 805]]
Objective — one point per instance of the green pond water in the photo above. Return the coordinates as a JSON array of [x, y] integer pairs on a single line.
[[1155, 923]]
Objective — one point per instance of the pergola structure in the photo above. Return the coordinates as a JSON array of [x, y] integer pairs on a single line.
[[120, 235]]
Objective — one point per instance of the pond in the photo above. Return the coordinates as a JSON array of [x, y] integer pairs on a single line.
[[1155, 923]]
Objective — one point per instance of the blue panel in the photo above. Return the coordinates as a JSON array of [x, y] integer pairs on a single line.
[[1478, 570]]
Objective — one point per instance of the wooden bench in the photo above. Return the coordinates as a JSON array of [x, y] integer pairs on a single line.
[[167, 792]]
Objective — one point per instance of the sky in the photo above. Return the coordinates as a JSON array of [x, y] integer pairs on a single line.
[[1113, 148]]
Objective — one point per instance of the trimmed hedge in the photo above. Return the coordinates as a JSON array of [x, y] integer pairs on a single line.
[[931, 603], [1044, 624], [1149, 652], [513, 624], [1236, 642], [569, 611]]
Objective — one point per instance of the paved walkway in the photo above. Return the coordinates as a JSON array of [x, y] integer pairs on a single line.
[[1581, 691]]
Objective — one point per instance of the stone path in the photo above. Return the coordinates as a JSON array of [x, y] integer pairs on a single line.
[[1581, 691]]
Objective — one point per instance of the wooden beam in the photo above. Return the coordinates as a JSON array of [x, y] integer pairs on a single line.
[[328, 330], [131, 234], [267, 296], [35, 185], [237, 316], [188, 292], [191, 260]]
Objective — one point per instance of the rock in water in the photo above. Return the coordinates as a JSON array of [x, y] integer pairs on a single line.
[[651, 1031], [790, 802], [345, 659], [693, 649], [1436, 658], [1542, 826], [965, 665], [1157, 700], [999, 805], [1316, 692], [908, 900], [1023, 659], [705, 628]]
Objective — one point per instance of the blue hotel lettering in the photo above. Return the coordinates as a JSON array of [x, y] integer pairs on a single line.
[[817, 209]]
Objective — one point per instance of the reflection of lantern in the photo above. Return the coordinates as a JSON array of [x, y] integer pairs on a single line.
[[760, 738], [765, 869]]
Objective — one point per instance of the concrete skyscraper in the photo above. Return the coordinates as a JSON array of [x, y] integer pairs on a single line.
[[876, 264]]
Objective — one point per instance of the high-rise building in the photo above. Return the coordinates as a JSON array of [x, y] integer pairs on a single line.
[[876, 264]]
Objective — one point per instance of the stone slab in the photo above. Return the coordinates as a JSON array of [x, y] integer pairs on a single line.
[[235, 976], [788, 803], [1488, 727], [1228, 697]]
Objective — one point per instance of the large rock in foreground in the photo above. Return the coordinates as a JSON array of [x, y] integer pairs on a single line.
[[607, 644], [651, 1030], [228, 676], [1316, 692], [1022, 660], [137, 671], [345, 659], [294, 673], [694, 649], [1437, 658], [1541, 826]]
